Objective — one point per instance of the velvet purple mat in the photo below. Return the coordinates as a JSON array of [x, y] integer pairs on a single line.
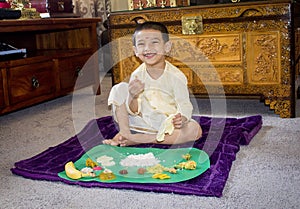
[[234, 132]]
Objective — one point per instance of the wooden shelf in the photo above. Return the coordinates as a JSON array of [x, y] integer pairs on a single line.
[[57, 50]]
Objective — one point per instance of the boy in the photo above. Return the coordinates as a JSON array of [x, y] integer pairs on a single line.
[[154, 107]]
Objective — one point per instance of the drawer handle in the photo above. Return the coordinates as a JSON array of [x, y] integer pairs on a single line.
[[79, 72], [35, 82]]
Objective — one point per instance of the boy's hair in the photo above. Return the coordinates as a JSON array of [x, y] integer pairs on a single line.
[[152, 25]]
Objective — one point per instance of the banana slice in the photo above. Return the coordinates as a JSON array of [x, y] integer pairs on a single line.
[[72, 172]]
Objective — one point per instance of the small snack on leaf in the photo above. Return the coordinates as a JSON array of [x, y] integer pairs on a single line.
[[158, 168], [187, 156], [107, 176], [86, 170], [123, 172], [180, 165], [107, 171], [170, 170], [189, 165], [141, 171], [161, 176], [97, 168], [90, 163]]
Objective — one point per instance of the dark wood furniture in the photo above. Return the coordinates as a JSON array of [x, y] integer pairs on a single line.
[[58, 51], [252, 49]]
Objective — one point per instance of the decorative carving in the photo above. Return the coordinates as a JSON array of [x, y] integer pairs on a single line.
[[151, 3], [140, 5], [219, 76], [211, 47], [208, 13], [207, 47], [163, 4], [265, 62], [280, 107]]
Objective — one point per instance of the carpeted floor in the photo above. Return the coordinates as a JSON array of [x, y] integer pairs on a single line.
[[265, 174]]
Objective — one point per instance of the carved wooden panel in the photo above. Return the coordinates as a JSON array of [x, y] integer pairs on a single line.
[[263, 57], [214, 47]]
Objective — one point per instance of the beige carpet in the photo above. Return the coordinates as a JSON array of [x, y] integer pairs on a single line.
[[266, 173]]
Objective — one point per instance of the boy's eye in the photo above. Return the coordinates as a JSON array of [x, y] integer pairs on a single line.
[[155, 41], [140, 44]]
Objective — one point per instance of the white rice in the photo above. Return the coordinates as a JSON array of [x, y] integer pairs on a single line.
[[106, 160], [140, 160]]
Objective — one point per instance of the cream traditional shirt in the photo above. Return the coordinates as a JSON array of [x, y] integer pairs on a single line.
[[161, 99]]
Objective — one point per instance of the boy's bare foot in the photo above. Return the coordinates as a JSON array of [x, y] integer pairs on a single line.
[[114, 141], [118, 139], [110, 142]]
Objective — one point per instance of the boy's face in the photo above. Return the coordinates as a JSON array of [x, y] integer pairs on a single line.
[[151, 48]]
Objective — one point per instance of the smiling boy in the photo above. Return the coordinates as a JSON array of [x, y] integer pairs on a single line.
[[154, 107]]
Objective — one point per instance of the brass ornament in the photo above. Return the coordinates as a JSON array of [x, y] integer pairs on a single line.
[[192, 24]]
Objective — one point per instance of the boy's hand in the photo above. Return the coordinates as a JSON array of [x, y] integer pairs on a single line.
[[178, 121], [136, 87]]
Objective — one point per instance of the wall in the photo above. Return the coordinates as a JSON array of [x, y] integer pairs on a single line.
[[119, 5]]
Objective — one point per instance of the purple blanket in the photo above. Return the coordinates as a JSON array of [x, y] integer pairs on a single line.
[[222, 149]]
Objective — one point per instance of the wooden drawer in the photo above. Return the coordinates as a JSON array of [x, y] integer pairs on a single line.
[[72, 72], [31, 82]]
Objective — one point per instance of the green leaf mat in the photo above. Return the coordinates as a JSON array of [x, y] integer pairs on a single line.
[[167, 157]]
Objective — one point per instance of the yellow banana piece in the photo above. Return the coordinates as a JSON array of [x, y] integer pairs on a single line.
[[72, 172]]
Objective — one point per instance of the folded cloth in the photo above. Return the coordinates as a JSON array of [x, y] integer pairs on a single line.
[[166, 127]]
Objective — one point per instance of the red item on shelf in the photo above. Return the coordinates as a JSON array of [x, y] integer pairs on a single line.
[[4, 5]]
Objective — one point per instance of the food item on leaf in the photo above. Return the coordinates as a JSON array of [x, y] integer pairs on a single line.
[[187, 156], [141, 171], [90, 163], [87, 170], [73, 173], [147, 159], [170, 170], [97, 168], [123, 172], [159, 169], [107, 176], [107, 171], [188, 165], [161, 176], [106, 160]]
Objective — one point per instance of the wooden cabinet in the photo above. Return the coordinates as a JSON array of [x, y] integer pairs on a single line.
[[57, 53], [242, 49]]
